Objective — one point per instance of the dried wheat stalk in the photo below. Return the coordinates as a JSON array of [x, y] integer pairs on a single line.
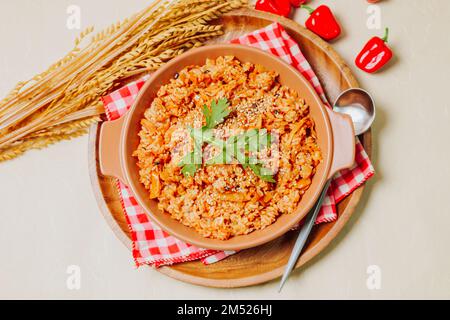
[[63, 101]]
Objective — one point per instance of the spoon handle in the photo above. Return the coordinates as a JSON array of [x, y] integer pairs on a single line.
[[303, 236]]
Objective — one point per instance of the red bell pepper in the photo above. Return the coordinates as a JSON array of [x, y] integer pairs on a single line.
[[322, 22], [279, 7], [375, 54], [298, 3]]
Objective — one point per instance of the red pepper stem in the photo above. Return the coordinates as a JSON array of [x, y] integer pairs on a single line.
[[386, 35], [310, 10]]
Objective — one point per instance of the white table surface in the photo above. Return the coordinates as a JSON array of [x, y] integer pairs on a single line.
[[50, 220]]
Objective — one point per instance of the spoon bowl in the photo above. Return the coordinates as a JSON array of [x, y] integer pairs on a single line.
[[360, 106]]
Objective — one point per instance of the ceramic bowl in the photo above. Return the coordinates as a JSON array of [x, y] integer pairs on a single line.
[[119, 139]]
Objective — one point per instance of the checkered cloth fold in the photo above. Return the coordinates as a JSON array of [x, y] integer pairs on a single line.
[[153, 246]]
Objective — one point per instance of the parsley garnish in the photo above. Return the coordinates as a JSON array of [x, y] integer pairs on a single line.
[[189, 170], [242, 146], [263, 173], [217, 113], [191, 162]]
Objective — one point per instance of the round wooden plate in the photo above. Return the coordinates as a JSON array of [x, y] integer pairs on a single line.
[[267, 262]]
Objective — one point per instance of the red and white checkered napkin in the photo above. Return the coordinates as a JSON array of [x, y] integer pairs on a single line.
[[151, 245]]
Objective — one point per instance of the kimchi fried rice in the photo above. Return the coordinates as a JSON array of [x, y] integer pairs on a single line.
[[226, 200]]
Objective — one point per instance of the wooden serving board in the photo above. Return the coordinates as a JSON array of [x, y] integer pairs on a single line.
[[265, 263]]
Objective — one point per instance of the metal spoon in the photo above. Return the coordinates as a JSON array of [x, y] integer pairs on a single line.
[[360, 106]]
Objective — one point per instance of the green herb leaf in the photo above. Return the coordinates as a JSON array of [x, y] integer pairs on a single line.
[[262, 172], [240, 147], [217, 113], [222, 158], [189, 170]]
